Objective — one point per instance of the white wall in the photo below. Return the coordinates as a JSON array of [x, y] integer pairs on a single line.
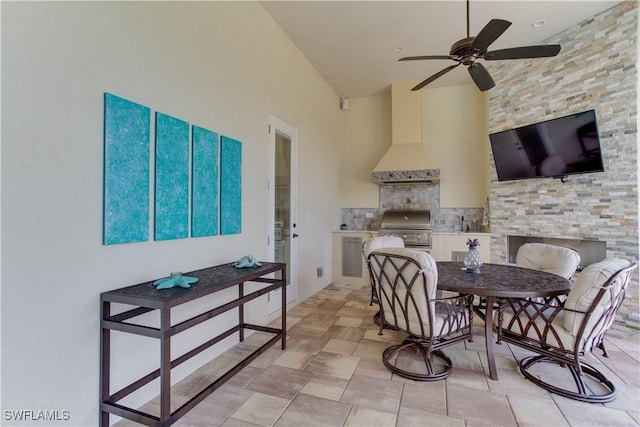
[[221, 65]]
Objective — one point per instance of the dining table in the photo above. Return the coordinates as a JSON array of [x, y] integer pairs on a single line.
[[495, 282]]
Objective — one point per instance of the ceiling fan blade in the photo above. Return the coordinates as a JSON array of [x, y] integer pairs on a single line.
[[435, 76], [481, 76], [542, 51], [419, 58], [489, 34]]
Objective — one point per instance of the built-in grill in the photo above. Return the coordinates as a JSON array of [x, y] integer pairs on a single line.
[[413, 226]]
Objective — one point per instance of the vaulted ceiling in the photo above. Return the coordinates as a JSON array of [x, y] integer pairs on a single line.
[[355, 45]]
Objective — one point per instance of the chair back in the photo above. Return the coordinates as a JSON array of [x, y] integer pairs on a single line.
[[380, 242], [550, 258], [371, 245], [598, 291], [406, 281]]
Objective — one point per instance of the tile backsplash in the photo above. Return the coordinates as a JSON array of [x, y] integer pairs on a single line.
[[420, 196]]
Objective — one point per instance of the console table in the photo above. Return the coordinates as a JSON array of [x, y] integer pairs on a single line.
[[145, 298]]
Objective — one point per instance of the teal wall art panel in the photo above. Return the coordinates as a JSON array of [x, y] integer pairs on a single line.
[[126, 171], [230, 186], [204, 183], [172, 178]]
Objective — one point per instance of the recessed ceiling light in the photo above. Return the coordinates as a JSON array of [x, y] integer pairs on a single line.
[[538, 23], [398, 48]]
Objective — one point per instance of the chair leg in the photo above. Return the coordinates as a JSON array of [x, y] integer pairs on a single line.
[[582, 392], [434, 371], [377, 319], [374, 296], [470, 318], [604, 350], [500, 302]]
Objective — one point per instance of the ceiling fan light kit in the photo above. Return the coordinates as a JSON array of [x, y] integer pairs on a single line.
[[470, 49]]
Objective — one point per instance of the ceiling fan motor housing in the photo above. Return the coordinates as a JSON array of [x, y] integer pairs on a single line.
[[462, 49]]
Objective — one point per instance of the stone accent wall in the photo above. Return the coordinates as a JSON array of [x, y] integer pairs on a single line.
[[596, 69], [411, 176]]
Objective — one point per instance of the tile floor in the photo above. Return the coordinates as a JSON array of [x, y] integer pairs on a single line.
[[331, 374]]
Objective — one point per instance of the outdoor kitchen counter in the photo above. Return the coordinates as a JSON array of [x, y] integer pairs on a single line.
[[452, 246], [348, 265], [347, 262]]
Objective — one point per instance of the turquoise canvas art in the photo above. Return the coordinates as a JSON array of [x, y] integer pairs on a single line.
[[126, 171], [171, 178], [230, 186], [204, 186]]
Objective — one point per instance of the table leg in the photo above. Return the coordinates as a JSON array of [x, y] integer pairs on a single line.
[[488, 335], [283, 309], [165, 366], [241, 311], [105, 348], [500, 318]]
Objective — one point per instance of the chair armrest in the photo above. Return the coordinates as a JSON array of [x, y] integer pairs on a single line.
[[517, 304], [459, 298], [456, 313], [532, 324]]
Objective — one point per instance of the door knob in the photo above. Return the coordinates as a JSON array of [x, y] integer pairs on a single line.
[[294, 235]]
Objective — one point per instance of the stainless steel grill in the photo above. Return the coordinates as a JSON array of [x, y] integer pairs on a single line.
[[413, 226]]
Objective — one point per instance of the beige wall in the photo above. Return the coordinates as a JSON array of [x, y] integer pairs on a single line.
[[366, 137], [192, 60], [406, 113], [454, 133]]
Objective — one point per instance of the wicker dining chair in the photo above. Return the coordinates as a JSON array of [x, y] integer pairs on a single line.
[[564, 334], [406, 281]]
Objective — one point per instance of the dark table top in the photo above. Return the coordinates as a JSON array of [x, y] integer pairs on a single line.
[[210, 280], [500, 280]]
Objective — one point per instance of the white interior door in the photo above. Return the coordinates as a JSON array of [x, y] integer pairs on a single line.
[[282, 209]]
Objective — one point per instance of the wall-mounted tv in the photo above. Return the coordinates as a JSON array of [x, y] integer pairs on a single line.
[[553, 148]]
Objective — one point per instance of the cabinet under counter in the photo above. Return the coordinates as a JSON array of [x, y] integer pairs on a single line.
[[347, 262]]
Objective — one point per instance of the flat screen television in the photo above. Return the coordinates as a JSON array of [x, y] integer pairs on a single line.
[[553, 148]]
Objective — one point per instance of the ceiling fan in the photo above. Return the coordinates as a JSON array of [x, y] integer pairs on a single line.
[[470, 49]]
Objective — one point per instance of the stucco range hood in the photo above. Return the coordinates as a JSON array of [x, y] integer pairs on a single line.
[[405, 164], [406, 160]]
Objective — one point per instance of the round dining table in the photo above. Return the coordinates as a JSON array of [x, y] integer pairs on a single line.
[[496, 281]]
